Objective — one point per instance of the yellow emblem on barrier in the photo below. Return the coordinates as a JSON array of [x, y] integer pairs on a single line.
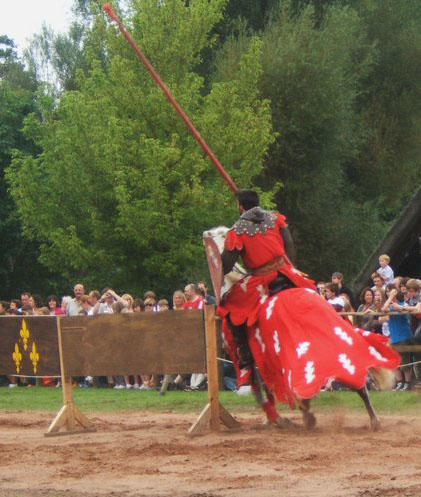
[[34, 356], [24, 333], [17, 358]]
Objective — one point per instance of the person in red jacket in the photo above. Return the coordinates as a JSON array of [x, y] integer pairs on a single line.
[[194, 299]]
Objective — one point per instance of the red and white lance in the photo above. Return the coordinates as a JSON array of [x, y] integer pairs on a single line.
[[208, 151]]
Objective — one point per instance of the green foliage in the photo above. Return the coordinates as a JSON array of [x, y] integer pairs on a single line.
[[345, 106], [388, 165], [121, 192], [19, 269]]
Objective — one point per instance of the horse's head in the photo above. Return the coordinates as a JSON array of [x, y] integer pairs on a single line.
[[218, 235]]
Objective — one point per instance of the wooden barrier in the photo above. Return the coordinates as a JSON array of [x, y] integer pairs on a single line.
[[123, 344], [29, 346]]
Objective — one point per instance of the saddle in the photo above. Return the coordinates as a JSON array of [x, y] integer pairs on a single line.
[[279, 284]]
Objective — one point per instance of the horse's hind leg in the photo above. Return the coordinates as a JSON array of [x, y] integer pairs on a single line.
[[374, 420], [309, 419]]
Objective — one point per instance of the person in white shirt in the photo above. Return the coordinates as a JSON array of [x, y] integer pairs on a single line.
[[385, 271]]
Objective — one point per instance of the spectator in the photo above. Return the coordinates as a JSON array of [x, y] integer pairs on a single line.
[[129, 303], [151, 296], [194, 299], [94, 296], [54, 305], [338, 279], [385, 271], [15, 304], [397, 282], [138, 305], [105, 303], [24, 299], [321, 287], [402, 287], [65, 303], [3, 306], [35, 302], [87, 306], [378, 303], [209, 299], [414, 305], [400, 334], [366, 307], [178, 300], [163, 305], [332, 296], [150, 306], [74, 307], [377, 282]]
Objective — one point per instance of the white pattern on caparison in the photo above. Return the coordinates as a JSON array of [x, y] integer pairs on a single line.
[[262, 292], [270, 306], [259, 339], [346, 363], [277, 345], [376, 354], [309, 372], [343, 335], [302, 348]]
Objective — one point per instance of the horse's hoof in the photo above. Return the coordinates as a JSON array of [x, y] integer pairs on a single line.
[[309, 420], [283, 423], [375, 424]]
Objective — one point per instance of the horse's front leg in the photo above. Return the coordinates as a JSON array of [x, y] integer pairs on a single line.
[[374, 420]]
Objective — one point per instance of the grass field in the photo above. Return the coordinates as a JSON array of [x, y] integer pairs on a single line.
[[109, 400]]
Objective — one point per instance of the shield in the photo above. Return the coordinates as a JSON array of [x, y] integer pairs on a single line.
[[215, 266]]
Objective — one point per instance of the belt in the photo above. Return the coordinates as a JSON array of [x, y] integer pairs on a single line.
[[269, 267]]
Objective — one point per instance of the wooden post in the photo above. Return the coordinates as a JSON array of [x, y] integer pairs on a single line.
[[213, 412], [69, 415]]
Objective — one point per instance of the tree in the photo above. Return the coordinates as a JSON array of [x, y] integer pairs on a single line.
[[388, 165], [134, 190], [20, 269], [312, 76]]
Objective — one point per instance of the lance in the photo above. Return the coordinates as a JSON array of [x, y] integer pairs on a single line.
[[208, 151]]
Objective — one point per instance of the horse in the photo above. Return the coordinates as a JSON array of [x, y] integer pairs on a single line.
[[265, 349]]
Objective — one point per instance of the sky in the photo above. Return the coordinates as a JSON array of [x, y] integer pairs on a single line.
[[20, 19]]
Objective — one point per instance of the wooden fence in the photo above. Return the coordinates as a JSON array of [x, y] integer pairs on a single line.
[[123, 344]]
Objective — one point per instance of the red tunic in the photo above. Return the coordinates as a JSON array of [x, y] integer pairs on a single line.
[[246, 296], [195, 304]]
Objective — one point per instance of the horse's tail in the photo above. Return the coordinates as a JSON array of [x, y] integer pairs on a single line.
[[383, 378]]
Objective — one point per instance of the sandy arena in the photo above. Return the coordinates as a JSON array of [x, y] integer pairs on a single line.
[[147, 454]]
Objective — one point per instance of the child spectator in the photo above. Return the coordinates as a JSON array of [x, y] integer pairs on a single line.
[[163, 305], [332, 296], [385, 271], [338, 279]]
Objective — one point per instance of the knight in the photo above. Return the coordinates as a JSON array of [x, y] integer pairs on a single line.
[[273, 317]]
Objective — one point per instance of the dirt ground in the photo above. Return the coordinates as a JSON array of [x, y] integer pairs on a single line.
[[148, 454]]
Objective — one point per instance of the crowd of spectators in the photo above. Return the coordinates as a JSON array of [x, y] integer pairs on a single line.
[[398, 299], [93, 302]]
